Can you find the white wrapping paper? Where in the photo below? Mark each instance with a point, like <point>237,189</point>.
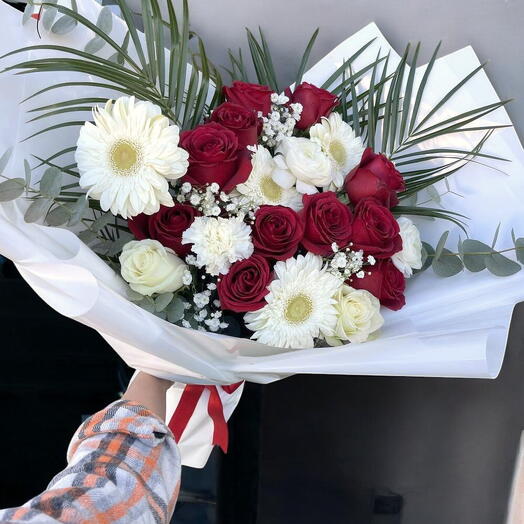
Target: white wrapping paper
<point>454,327</point>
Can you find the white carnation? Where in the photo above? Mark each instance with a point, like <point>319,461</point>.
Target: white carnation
<point>358,315</point>
<point>411,255</point>
<point>301,162</point>
<point>218,242</point>
<point>151,268</point>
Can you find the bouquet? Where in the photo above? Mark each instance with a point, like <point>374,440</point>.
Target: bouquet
<point>302,217</point>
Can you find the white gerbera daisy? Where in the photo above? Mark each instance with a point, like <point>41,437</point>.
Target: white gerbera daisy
<point>300,305</point>
<point>260,188</point>
<point>337,139</point>
<point>218,242</point>
<point>127,156</point>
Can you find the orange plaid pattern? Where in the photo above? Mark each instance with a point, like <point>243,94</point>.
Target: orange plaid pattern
<point>123,466</point>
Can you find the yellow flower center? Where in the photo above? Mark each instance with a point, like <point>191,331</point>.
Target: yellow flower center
<point>337,152</point>
<point>298,309</point>
<point>124,157</point>
<point>270,189</point>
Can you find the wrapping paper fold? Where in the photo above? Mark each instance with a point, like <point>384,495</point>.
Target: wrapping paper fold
<point>449,328</point>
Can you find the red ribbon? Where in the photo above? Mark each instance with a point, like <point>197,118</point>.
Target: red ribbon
<point>187,405</point>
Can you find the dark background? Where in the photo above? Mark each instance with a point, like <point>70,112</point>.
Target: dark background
<point>310,448</point>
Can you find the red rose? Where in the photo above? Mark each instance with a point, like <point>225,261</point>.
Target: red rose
<point>375,229</point>
<point>251,96</point>
<point>243,122</point>
<point>386,283</point>
<point>375,176</point>
<point>244,287</point>
<point>166,226</point>
<point>214,157</point>
<point>316,103</point>
<point>277,232</point>
<point>326,220</point>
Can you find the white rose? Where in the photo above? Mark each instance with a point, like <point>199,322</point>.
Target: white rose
<point>151,268</point>
<point>358,315</point>
<point>301,162</point>
<point>411,255</point>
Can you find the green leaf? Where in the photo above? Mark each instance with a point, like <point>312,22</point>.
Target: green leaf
<point>118,244</point>
<point>175,310</point>
<point>447,264</point>
<point>407,93</point>
<point>440,245</point>
<point>94,45</point>
<point>11,189</point>
<point>148,304</point>
<point>519,249</point>
<point>105,20</point>
<point>421,88</point>
<point>162,301</point>
<point>473,254</point>
<point>495,236</point>
<point>58,216</point>
<point>501,266</point>
<point>78,208</point>
<point>427,257</point>
<point>37,209</point>
<point>4,159</point>
<point>64,25</point>
<point>305,57</point>
<point>51,183</point>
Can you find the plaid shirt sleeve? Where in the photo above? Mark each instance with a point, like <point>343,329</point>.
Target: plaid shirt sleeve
<point>123,466</point>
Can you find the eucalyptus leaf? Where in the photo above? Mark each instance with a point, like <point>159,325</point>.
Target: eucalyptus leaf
<point>441,244</point>
<point>58,216</point>
<point>147,304</point>
<point>77,210</point>
<point>133,296</point>
<point>473,254</point>
<point>427,257</point>
<point>94,45</point>
<point>49,15</point>
<point>11,189</point>
<point>519,247</point>
<point>28,11</point>
<point>37,209</point>
<point>27,170</point>
<point>495,236</point>
<point>4,159</point>
<point>501,266</point>
<point>105,20</point>
<point>447,264</point>
<point>65,24</point>
<point>51,182</point>
<point>87,236</point>
<point>162,301</point>
<point>175,310</point>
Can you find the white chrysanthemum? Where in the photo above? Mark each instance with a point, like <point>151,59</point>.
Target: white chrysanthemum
<point>303,164</point>
<point>260,188</point>
<point>410,257</point>
<point>127,156</point>
<point>300,305</point>
<point>337,139</point>
<point>218,242</point>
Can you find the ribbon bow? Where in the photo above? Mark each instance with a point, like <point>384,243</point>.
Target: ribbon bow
<point>187,405</point>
